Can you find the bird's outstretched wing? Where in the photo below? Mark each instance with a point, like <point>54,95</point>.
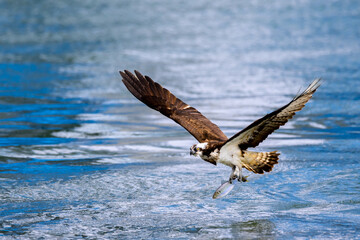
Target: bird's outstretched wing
<point>259,130</point>
<point>156,97</point>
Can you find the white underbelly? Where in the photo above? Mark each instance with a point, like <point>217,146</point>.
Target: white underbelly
<point>230,156</point>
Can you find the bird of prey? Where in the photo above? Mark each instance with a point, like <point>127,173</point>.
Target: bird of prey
<point>214,147</point>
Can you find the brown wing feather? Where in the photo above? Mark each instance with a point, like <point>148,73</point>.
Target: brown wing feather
<point>259,130</point>
<point>156,97</point>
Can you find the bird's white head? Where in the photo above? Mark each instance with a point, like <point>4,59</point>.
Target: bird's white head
<point>197,149</point>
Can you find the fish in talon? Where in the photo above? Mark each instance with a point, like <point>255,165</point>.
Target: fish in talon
<point>223,190</point>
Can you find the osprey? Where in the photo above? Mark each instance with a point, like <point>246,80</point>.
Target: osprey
<point>214,147</point>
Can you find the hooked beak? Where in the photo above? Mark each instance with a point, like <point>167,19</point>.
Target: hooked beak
<point>192,152</point>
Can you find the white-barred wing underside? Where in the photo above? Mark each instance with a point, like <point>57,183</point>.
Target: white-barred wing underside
<point>259,130</point>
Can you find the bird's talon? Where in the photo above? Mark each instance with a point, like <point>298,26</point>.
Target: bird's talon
<point>243,179</point>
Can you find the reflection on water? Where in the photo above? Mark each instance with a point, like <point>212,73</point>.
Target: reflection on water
<point>82,158</point>
<point>254,229</point>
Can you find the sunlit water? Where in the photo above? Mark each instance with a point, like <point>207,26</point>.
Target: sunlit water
<point>82,158</point>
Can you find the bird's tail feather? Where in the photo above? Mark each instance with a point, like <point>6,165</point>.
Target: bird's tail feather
<point>260,162</point>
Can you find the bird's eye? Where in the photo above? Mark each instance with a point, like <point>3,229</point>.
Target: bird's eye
<point>197,149</point>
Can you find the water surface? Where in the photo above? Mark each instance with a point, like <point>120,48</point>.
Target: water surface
<point>80,157</point>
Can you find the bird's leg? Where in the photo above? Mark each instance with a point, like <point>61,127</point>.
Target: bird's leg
<point>237,174</point>
<point>240,176</point>
<point>234,174</point>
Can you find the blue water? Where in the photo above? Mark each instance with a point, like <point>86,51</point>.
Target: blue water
<point>80,157</point>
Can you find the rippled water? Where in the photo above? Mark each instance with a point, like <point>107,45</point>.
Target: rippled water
<point>81,158</point>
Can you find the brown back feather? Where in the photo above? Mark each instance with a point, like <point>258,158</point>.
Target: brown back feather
<point>156,97</point>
